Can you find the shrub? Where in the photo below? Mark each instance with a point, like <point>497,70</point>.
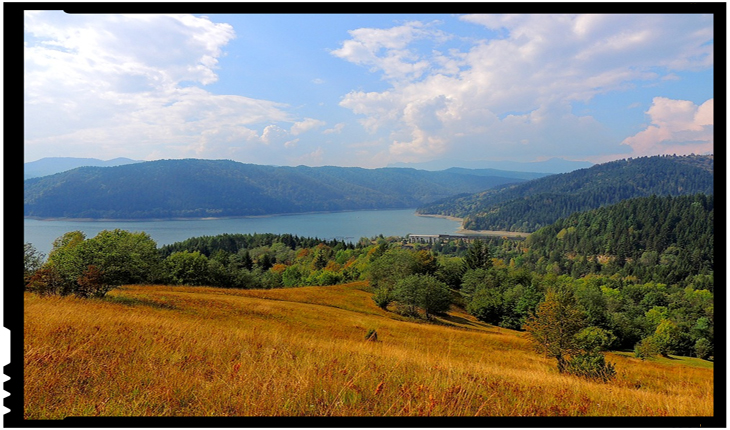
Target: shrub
<point>46,281</point>
<point>382,297</point>
<point>371,335</point>
<point>646,348</point>
<point>703,348</point>
<point>592,365</point>
<point>91,284</point>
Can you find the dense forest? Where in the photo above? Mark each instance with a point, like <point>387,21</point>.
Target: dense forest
<point>662,239</point>
<point>533,204</point>
<point>220,188</point>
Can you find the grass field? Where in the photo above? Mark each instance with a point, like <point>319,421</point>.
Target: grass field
<point>196,351</point>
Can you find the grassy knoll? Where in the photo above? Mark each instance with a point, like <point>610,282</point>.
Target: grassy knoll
<point>184,351</point>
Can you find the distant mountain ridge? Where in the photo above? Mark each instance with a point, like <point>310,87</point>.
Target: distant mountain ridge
<point>221,188</point>
<point>531,205</point>
<point>51,165</point>
<point>548,167</point>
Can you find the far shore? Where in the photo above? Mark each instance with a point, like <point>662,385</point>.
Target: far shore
<point>452,218</point>
<point>206,218</point>
<point>478,232</point>
<point>493,233</point>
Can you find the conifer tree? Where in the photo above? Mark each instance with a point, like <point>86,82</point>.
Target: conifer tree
<point>477,256</point>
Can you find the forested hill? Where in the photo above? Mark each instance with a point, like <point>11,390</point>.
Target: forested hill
<point>218,188</point>
<point>666,238</point>
<point>530,205</point>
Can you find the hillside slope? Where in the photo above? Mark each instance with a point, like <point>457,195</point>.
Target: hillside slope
<point>217,188</point>
<point>197,351</point>
<point>533,204</point>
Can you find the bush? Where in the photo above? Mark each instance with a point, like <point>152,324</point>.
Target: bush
<point>646,348</point>
<point>46,281</point>
<point>592,366</point>
<point>91,284</point>
<point>382,297</point>
<point>703,348</point>
<point>371,335</point>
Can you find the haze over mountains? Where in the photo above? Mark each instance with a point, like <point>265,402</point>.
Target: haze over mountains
<point>218,188</point>
<point>551,166</point>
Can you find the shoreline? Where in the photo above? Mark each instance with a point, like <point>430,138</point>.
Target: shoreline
<point>204,218</point>
<point>449,217</point>
<point>515,234</point>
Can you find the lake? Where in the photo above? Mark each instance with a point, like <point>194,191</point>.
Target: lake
<point>348,226</point>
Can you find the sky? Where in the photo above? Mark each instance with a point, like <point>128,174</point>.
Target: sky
<point>367,90</point>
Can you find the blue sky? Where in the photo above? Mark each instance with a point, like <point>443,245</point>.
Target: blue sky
<point>367,90</point>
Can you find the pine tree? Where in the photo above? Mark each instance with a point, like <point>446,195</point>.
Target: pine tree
<point>477,256</point>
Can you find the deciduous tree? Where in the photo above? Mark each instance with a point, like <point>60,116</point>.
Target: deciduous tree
<point>554,325</point>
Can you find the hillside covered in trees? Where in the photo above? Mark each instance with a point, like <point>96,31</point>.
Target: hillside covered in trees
<point>661,239</point>
<point>530,205</point>
<point>219,188</point>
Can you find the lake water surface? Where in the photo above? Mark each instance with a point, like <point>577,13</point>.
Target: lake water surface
<point>348,226</point>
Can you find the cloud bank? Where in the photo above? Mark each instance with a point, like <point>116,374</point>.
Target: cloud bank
<point>677,127</point>
<point>134,84</point>
<point>518,87</point>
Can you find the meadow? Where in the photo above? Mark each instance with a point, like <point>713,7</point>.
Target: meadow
<point>154,350</point>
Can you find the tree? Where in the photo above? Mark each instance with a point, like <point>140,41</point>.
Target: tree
<point>553,326</point>
<point>665,337</point>
<point>486,305</point>
<point>65,262</point>
<point>122,256</point>
<point>424,292</point>
<point>393,265</point>
<point>187,268</point>
<point>33,260</point>
<point>477,256</point>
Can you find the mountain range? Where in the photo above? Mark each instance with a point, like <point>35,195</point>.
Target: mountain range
<point>221,188</point>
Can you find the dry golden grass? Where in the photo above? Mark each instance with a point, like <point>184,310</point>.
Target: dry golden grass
<point>194,351</point>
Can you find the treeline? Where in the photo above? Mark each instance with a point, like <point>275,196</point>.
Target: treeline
<point>233,243</point>
<point>540,202</point>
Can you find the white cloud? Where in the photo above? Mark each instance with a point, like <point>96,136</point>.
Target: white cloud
<point>519,86</point>
<point>336,129</point>
<point>396,60</point>
<point>273,134</point>
<point>306,125</point>
<point>291,143</point>
<point>131,86</point>
<point>677,127</point>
